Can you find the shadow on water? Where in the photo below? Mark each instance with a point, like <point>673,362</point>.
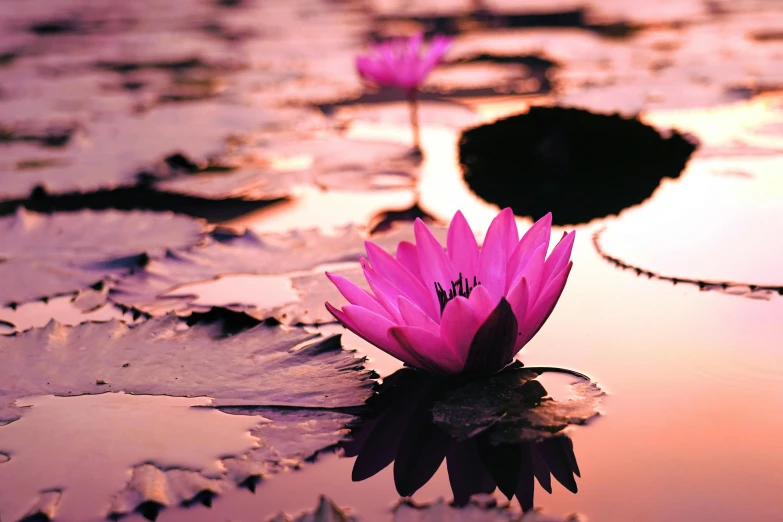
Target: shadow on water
<point>571,162</point>
<point>402,430</point>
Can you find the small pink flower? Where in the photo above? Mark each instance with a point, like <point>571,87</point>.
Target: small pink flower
<point>399,63</point>
<point>464,309</point>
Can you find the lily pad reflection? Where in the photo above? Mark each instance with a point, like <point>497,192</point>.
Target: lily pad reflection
<point>419,421</point>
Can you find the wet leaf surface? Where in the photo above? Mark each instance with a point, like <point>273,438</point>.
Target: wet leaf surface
<point>442,512</point>
<point>513,407</point>
<point>301,257</point>
<point>326,511</point>
<point>224,367</point>
<point>246,373</point>
<point>48,255</point>
<point>578,165</point>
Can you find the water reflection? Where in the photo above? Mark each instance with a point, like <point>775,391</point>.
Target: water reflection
<point>401,430</point>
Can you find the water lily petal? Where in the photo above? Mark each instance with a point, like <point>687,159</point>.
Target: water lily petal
<point>519,299</point>
<point>492,346</point>
<point>536,236</point>
<point>392,270</point>
<point>559,257</point>
<point>434,262</point>
<point>492,259</point>
<point>408,256</point>
<point>482,302</point>
<point>356,295</point>
<point>412,315</point>
<point>459,325</point>
<point>385,292</point>
<point>462,247</point>
<point>374,329</point>
<point>532,270</point>
<point>543,307</point>
<point>429,347</point>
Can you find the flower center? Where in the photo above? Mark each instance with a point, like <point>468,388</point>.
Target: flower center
<point>457,288</point>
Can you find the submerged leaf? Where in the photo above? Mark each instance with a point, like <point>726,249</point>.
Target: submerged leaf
<point>46,255</point>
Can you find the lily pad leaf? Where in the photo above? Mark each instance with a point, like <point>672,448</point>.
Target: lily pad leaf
<point>327,511</point>
<point>48,255</point>
<point>571,162</point>
<point>473,512</point>
<point>296,262</point>
<point>248,374</point>
<point>513,407</point>
<point>163,356</point>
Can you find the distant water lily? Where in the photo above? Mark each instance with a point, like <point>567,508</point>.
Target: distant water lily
<point>401,63</point>
<point>462,310</point>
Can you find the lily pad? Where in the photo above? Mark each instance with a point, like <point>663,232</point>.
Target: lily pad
<point>242,372</point>
<point>741,207</point>
<point>48,255</point>
<point>513,407</point>
<point>296,259</point>
<point>183,361</point>
<point>442,512</point>
<point>327,511</point>
<point>573,163</point>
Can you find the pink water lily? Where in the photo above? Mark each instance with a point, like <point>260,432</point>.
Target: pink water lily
<point>400,62</point>
<point>463,309</point>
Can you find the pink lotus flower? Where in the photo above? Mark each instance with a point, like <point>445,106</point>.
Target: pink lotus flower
<point>462,310</point>
<point>400,63</point>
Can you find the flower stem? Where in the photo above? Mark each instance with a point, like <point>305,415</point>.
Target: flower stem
<point>413,107</point>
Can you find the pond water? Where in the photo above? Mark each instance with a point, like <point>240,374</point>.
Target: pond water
<point>673,307</point>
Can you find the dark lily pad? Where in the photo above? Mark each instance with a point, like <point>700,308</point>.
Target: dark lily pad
<point>512,407</point>
<point>297,259</point>
<point>245,372</point>
<point>48,255</point>
<point>573,163</point>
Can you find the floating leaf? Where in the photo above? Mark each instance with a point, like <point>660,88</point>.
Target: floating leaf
<point>668,237</point>
<point>249,374</point>
<point>512,407</point>
<point>442,512</point>
<point>327,511</point>
<point>298,257</point>
<point>573,163</point>
<point>47,255</point>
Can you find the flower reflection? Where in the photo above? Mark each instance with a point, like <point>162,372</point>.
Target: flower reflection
<point>401,430</point>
